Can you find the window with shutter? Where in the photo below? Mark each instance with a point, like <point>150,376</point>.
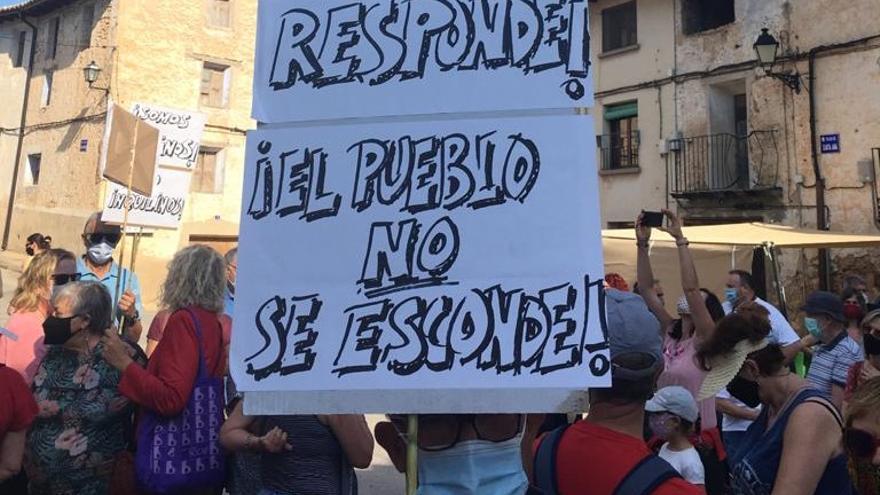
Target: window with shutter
<point>19,55</point>
<point>220,13</point>
<point>213,85</point>
<point>208,175</point>
<point>87,24</point>
<point>54,29</point>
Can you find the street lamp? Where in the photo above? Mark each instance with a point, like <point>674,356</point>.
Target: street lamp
<point>91,72</point>
<point>767,49</point>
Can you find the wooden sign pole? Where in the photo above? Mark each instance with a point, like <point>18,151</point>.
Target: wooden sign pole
<point>125,209</point>
<point>412,454</point>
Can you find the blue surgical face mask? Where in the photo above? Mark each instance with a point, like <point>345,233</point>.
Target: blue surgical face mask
<point>473,466</point>
<point>812,326</point>
<point>101,253</point>
<point>731,295</point>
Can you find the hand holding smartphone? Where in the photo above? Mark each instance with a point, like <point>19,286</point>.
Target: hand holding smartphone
<point>652,219</point>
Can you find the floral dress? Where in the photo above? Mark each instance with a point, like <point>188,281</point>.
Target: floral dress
<point>83,423</point>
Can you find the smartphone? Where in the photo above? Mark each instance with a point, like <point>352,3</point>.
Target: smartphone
<point>652,218</point>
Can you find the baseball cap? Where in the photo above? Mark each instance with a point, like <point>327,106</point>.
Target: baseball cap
<point>632,330</point>
<point>675,400</point>
<point>824,303</point>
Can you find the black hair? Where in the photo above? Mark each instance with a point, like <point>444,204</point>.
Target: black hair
<point>770,360</point>
<point>42,241</point>
<point>745,278</point>
<point>850,292</point>
<point>713,304</point>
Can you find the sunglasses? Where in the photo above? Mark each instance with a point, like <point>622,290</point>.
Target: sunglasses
<point>111,239</point>
<point>66,278</point>
<point>443,431</point>
<point>860,443</point>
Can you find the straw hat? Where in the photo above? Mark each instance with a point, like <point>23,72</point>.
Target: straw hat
<point>724,368</point>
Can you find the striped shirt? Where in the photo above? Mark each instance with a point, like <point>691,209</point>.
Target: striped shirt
<point>832,361</point>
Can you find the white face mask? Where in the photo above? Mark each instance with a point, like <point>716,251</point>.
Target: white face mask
<point>473,466</point>
<point>100,254</point>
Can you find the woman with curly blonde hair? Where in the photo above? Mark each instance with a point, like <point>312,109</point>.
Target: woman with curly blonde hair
<point>193,292</point>
<point>30,306</point>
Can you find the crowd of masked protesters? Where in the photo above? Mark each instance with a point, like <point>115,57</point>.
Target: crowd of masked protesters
<point>705,399</point>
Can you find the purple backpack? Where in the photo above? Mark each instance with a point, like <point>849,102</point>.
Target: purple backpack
<point>183,452</point>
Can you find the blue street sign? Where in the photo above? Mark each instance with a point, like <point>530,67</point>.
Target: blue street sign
<point>830,143</point>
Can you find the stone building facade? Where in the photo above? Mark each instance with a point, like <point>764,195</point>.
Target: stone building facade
<point>188,55</point>
<point>723,140</point>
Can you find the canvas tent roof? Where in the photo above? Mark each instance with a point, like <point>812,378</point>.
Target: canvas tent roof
<point>757,234</point>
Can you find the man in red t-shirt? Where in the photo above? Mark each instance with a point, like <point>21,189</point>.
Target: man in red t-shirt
<point>598,454</point>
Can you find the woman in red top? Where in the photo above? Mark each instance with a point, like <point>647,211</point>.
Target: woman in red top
<point>196,281</point>
<point>17,411</point>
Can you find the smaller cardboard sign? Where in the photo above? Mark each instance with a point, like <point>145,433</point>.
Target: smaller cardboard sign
<point>125,129</point>
<point>180,133</point>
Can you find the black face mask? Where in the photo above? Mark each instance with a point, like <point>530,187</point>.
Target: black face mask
<point>745,390</point>
<point>57,330</point>
<point>872,345</point>
<point>29,250</point>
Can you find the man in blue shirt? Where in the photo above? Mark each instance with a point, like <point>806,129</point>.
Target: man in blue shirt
<point>97,265</point>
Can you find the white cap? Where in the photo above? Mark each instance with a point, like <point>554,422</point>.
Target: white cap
<point>675,400</point>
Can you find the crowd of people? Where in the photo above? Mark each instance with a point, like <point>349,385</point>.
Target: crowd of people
<point>704,400</point>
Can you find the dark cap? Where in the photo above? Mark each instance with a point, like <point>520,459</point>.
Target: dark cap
<point>824,303</point>
<point>632,330</point>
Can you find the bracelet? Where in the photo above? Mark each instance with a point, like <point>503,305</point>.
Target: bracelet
<point>682,242</point>
<point>642,244</point>
<point>250,441</point>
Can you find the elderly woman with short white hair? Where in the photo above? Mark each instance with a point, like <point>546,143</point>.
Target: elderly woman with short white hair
<point>83,420</point>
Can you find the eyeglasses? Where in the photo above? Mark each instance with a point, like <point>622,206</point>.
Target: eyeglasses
<point>860,443</point>
<point>443,431</point>
<point>66,278</point>
<point>98,238</point>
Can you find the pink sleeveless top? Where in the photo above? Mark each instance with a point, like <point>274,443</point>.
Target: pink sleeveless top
<point>682,369</point>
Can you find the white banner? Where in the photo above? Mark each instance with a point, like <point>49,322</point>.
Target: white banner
<point>325,59</point>
<point>424,267</point>
<point>164,209</point>
<point>180,133</point>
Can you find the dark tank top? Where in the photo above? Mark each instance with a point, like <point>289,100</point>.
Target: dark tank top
<point>315,466</point>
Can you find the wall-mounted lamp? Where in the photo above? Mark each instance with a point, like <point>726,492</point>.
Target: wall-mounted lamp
<point>91,73</point>
<point>767,49</point>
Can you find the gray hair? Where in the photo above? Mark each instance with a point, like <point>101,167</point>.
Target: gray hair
<point>89,299</point>
<point>230,255</point>
<point>196,277</point>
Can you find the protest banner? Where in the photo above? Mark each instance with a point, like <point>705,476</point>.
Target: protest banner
<point>326,59</point>
<point>164,209</point>
<point>129,151</point>
<point>180,133</point>
<point>421,267</point>
<point>175,156</point>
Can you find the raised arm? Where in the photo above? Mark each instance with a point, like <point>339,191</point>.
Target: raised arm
<point>645,276</point>
<point>704,326</point>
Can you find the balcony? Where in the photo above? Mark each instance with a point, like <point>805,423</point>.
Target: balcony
<point>724,163</point>
<point>618,153</point>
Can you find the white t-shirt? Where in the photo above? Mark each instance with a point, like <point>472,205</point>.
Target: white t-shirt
<point>687,463</point>
<point>730,423</point>
<point>780,330</point>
